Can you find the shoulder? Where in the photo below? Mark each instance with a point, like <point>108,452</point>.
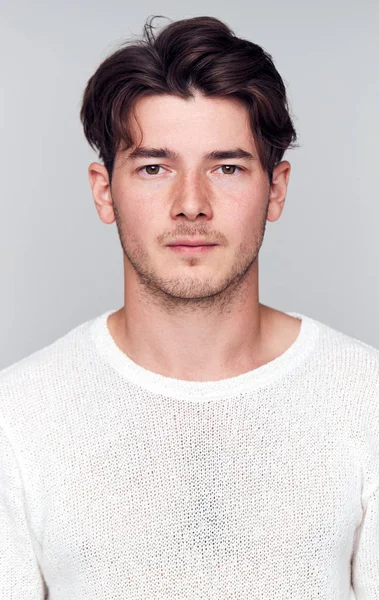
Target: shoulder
<point>344,352</point>
<point>38,376</point>
<point>349,353</point>
<point>349,368</point>
<point>343,371</point>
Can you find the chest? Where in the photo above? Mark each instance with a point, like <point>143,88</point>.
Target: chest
<point>218,498</point>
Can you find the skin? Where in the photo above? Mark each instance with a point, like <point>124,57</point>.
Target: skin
<point>193,317</point>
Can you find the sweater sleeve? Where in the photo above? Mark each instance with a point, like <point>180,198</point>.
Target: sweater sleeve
<point>20,575</point>
<point>365,559</point>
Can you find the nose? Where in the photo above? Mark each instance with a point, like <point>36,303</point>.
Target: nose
<point>191,198</point>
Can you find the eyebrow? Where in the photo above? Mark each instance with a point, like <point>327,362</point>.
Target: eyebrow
<point>144,152</point>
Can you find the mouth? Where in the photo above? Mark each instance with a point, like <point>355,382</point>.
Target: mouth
<point>182,249</point>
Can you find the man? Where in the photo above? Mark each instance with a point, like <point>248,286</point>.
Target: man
<point>194,443</point>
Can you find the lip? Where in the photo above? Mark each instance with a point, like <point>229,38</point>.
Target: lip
<point>183,242</point>
<point>192,249</point>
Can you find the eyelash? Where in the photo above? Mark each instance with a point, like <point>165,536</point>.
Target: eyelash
<point>235,166</point>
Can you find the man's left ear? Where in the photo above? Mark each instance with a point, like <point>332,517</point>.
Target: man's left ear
<point>278,190</point>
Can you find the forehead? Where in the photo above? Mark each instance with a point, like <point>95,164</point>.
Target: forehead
<point>198,121</point>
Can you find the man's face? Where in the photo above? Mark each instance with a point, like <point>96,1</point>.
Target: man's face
<point>157,201</point>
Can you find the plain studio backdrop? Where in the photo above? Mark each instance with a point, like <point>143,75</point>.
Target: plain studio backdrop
<point>60,265</point>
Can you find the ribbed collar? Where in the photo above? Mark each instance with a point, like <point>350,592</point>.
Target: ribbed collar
<point>202,390</point>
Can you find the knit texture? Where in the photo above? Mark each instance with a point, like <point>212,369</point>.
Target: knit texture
<point>117,483</point>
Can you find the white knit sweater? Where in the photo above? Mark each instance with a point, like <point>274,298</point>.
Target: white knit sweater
<point>117,483</point>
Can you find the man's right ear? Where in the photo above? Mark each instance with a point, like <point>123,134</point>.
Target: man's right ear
<point>101,191</point>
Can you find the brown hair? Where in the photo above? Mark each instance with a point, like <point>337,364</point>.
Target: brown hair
<point>200,53</point>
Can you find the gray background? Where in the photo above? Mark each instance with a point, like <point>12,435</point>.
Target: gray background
<point>60,265</point>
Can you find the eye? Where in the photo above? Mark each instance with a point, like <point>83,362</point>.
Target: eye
<point>153,167</point>
<point>228,167</point>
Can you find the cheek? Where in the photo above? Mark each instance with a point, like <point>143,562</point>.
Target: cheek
<point>243,211</point>
<point>135,209</point>
<point>245,221</point>
<point>144,205</point>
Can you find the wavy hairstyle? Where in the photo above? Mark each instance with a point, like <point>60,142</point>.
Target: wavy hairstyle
<point>200,53</point>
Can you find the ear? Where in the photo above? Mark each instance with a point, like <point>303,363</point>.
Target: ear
<point>278,190</point>
<point>101,191</point>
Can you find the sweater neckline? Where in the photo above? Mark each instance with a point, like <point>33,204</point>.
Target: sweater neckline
<point>202,390</point>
